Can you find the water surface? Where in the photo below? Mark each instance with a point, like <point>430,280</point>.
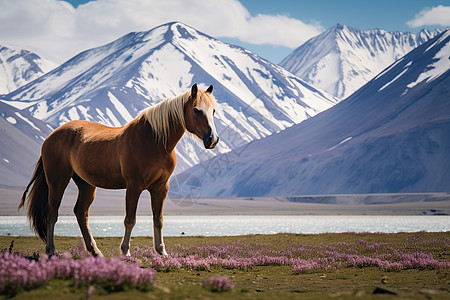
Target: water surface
<point>236,225</point>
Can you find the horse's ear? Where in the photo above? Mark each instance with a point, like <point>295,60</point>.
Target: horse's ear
<point>194,91</point>
<point>210,89</point>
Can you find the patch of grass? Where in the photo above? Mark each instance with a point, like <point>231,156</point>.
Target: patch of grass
<point>266,282</point>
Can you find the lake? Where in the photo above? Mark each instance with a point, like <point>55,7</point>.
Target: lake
<point>236,225</point>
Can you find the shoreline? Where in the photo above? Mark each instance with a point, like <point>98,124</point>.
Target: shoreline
<point>112,203</point>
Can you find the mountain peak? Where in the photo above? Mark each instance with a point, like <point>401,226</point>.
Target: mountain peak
<point>183,31</point>
<point>112,83</point>
<point>174,26</point>
<point>343,28</point>
<point>337,27</point>
<point>20,66</point>
<point>166,33</point>
<point>391,136</point>
<point>343,58</point>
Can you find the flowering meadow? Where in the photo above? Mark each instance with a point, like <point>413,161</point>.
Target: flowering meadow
<point>18,272</point>
<point>306,258</point>
<point>222,264</point>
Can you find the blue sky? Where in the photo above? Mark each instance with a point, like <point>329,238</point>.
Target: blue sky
<point>271,29</point>
<point>391,15</point>
<point>362,14</point>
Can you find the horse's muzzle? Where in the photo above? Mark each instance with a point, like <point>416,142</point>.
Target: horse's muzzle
<point>210,141</point>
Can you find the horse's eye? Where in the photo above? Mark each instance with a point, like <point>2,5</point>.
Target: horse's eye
<point>197,111</point>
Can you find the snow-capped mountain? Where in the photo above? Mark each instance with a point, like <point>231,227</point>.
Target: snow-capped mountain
<point>343,59</point>
<point>21,137</point>
<point>392,135</point>
<point>19,66</point>
<point>112,83</point>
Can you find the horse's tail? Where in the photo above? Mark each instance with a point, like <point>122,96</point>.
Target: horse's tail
<point>38,207</point>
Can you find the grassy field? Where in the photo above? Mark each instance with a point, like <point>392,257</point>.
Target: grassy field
<point>342,276</point>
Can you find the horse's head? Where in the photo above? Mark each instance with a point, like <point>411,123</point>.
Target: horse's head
<point>199,116</point>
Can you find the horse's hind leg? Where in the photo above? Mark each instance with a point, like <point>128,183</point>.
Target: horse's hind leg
<point>86,195</point>
<point>56,187</point>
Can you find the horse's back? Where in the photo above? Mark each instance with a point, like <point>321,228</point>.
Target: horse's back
<point>75,133</point>
<point>86,148</point>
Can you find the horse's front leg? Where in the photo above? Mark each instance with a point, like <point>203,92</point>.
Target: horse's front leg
<point>158,196</point>
<point>131,201</point>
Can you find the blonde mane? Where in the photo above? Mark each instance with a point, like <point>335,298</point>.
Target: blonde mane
<point>162,114</point>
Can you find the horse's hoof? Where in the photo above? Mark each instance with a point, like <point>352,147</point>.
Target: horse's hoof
<point>98,254</point>
<point>126,253</point>
<point>161,252</point>
<point>125,250</point>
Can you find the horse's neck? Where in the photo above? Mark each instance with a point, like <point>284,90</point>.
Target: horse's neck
<point>175,134</point>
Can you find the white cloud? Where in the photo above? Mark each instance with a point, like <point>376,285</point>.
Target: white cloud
<point>59,31</point>
<point>439,15</point>
<point>277,30</point>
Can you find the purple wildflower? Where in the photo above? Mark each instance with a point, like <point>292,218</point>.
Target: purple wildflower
<point>239,255</point>
<point>17,272</point>
<point>218,284</point>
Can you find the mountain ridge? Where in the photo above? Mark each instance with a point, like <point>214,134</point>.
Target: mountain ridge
<point>19,67</point>
<point>392,135</point>
<point>21,136</point>
<point>342,59</point>
<point>112,83</point>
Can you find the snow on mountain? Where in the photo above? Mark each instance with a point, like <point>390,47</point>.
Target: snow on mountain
<point>112,83</point>
<point>21,136</point>
<point>392,135</point>
<point>343,59</point>
<point>18,67</point>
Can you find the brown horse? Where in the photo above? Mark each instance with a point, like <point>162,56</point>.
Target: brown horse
<point>138,156</point>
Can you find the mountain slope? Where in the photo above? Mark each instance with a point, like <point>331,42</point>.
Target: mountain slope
<point>112,83</point>
<point>342,59</point>
<point>18,67</point>
<point>22,137</point>
<point>392,135</point>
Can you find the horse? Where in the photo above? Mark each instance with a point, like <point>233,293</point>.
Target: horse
<point>138,156</point>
